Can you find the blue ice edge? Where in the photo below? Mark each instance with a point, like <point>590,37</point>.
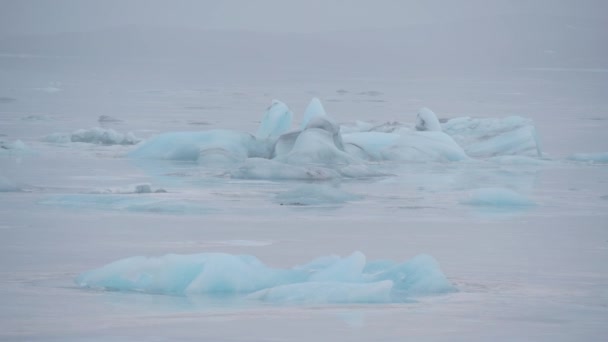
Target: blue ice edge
<point>325,280</point>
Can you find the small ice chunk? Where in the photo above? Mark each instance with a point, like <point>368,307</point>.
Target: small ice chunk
<point>497,197</point>
<point>315,194</point>
<point>98,135</point>
<point>593,158</point>
<point>260,168</point>
<point>7,185</point>
<point>16,148</point>
<point>107,119</point>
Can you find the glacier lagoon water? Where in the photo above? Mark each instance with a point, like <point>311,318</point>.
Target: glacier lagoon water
<point>522,239</point>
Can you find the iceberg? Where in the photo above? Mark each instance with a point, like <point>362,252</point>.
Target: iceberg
<point>329,279</point>
<point>483,138</point>
<point>323,150</point>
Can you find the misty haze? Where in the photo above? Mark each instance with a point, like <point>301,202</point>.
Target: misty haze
<point>303,170</point>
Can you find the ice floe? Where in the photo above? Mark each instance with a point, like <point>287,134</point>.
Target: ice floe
<point>330,279</point>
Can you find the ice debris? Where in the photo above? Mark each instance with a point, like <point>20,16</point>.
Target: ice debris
<point>315,194</point>
<point>95,135</point>
<point>593,158</point>
<point>130,203</point>
<point>330,279</point>
<point>16,148</point>
<point>143,188</point>
<point>497,197</point>
<point>7,185</point>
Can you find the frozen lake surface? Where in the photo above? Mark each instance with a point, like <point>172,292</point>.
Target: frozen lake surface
<point>523,240</point>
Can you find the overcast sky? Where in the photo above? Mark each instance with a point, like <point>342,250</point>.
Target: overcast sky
<point>52,16</point>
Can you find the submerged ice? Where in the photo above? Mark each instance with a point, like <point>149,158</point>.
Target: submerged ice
<point>330,279</point>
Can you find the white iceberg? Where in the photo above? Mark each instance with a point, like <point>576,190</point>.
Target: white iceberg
<point>324,280</point>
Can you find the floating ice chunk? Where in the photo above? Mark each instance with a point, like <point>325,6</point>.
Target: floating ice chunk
<point>36,117</point>
<point>259,168</point>
<point>315,194</point>
<point>107,119</point>
<point>58,138</point>
<point>595,158</point>
<point>206,146</point>
<point>313,110</point>
<point>497,197</point>
<point>96,135</point>
<point>16,148</point>
<point>513,135</point>
<point>144,188</point>
<point>324,280</point>
<point>517,160</point>
<point>411,146</point>
<point>418,276</point>
<point>131,203</point>
<point>276,121</point>
<point>426,120</point>
<point>7,185</point>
